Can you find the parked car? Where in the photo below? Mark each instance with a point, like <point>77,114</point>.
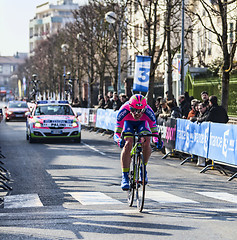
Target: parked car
<point>53,119</point>
<point>16,110</point>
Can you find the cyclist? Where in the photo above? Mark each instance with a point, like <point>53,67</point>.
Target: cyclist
<point>135,115</point>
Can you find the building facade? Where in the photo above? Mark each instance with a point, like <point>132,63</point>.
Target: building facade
<point>48,20</point>
<point>8,68</point>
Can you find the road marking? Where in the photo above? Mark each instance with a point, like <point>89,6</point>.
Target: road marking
<point>164,197</point>
<point>221,196</point>
<point>94,149</point>
<point>93,198</point>
<point>22,200</point>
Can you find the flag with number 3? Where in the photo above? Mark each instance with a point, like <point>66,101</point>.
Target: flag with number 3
<point>142,73</point>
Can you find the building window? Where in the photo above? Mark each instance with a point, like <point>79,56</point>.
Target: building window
<point>13,68</point>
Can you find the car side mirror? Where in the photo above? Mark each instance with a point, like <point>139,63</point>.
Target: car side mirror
<point>78,114</point>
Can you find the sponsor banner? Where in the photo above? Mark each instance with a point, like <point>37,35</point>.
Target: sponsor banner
<point>170,135</point>
<point>92,117</point>
<point>84,118</point>
<point>167,128</point>
<point>223,143</point>
<point>192,138</point>
<point>106,119</point>
<point>142,73</point>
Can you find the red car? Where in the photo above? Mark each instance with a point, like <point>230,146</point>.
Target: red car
<point>16,110</point>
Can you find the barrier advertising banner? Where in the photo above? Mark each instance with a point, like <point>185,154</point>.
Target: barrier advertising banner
<point>84,118</point>
<point>192,138</point>
<point>106,119</point>
<point>223,143</point>
<point>168,131</point>
<point>142,73</point>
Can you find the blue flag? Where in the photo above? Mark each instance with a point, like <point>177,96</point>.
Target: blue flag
<point>142,73</point>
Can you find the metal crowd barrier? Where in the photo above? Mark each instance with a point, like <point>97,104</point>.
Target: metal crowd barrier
<point>182,138</point>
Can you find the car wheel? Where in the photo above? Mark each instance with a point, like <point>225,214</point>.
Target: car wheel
<point>78,140</point>
<point>31,139</point>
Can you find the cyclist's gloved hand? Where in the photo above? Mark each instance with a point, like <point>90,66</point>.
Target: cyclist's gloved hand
<point>119,141</point>
<point>158,142</point>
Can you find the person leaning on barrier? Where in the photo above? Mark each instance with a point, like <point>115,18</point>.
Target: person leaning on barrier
<point>184,106</point>
<point>107,103</point>
<point>166,112</point>
<point>175,112</point>
<point>116,102</point>
<point>203,112</point>
<point>123,98</point>
<point>216,113</point>
<point>193,112</point>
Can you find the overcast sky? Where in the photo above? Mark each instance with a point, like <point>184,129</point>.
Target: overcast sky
<point>14,24</point>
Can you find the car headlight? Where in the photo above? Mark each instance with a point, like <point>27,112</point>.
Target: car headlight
<point>37,125</point>
<point>74,124</point>
<point>9,112</point>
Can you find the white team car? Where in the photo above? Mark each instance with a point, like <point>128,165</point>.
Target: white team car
<point>53,119</point>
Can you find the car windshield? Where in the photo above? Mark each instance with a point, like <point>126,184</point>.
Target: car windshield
<point>53,110</point>
<point>18,105</point>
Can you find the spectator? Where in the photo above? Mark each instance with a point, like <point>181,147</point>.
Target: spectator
<point>123,98</point>
<point>205,97</point>
<point>216,113</point>
<point>188,98</point>
<point>167,97</point>
<point>158,106</point>
<point>110,95</point>
<point>203,112</point>
<point>101,102</point>
<point>116,102</point>
<point>194,111</point>
<point>166,112</point>
<point>184,106</point>
<point>175,111</point>
<point>107,102</point>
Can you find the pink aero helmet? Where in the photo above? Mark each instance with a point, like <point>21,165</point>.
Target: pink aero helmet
<point>137,101</point>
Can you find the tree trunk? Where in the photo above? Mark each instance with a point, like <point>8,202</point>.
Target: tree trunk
<point>225,89</point>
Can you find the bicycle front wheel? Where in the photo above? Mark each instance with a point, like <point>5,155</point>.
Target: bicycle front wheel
<point>132,184</point>
<point>140,182</point>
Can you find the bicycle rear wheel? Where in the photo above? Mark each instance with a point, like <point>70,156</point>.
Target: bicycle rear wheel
<point>132,184</point>
<point>140,182</point>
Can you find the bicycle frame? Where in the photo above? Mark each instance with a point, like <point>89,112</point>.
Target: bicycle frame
<point>137,170</point>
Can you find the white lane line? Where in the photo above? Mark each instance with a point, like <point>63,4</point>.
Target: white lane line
<point>22,200</point>
<point>93,198</point>
<point>94,149</point>
<point>164,197</point>
<point>221,196</point>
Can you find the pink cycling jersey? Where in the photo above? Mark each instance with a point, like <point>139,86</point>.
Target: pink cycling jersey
<point>125,115</point>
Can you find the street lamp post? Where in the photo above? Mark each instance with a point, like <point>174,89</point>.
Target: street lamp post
<point>182,52</point>
<point>79,36</point>
<point>64,48</point>
<point>111,17</point>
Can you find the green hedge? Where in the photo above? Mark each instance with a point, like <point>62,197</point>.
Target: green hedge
<point>194,86</point>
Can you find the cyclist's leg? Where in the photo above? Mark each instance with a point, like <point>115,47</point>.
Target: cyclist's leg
<point>146,145</point>
<point>125,157</point>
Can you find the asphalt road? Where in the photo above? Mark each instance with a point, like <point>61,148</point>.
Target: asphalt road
<point>65,190</point>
